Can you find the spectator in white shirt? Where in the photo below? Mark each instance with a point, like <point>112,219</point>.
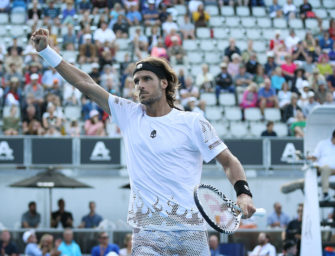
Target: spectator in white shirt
<point>104,34</point>
<point>291,41</point>
<point>289,10</point>
<point>169,24</point>
<point>264,248</point>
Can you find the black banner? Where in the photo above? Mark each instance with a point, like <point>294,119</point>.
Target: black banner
<point>11,151</point>
<point>51,150</point>
<point>100,151</point>
<point>284,149</point>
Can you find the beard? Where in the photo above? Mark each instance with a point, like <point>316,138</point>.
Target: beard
<point>151,100</point>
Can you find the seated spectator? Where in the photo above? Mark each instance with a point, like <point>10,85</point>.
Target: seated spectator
<point>330,100</point>
<point>69,39</point>
<point>14,45</point>
<point>140,40</point>
<point>126,251</point>
<point>284,96</point>
<point>121,27</point>
<point>331,55</point>
<point>321,94</point>
<point>264,246</point>
<point>51,121</point>
<point>277,79</point>
<point>87,50</point>
<point>289,248</point>
<point>301,53</point>
<point>95,73</point>
<point>187,28</point>
<point>176,52</point>
<point>316,79</point>
<point>331,80</point>
<point>114,13</point>
<point>34,67</point>
<point>6,245</point>
<point>310,104</point>
<point>32,248</point>
<point>310,45</point>
<point>306,11</point>
<point>14,57</point>
<point>134,16</point>
<point>200,17</point>
<point>231,49</point>
<point>293,230</point>
<point>159,50</point>
<point>213,242</point>
<point>252,64</point>
<point>12,72</point>
<point>298,125</point>
<point>47,247</point>
<point>84,6</point>
<point>35,89</point>
<point>278,218</point>
<point>275,42</point>
<point>223,82</point>
<point>49,77</point>
<point>68,13</point>
<point>269,130</point>
<point>109,73</point>
<point>292,40</point>
<point>104,34</point>
<point>248,52</point>
<point>31,218</point>
<point>151,14</point>
<point>91,220</point>
<point>291,109</point>
<point>61,217</point>
<point>51,11</point>
<point>309,65</point>
<point>129,3</point>
<point>326,42</point>
<point>259,76</point>
<point>267,97</point>
<point>289,10</point>
<point>168,38</point>
<point>189,91</point>
<point>324,66</point>
<point>331,29</point>
<point>35,128</point>
<point>74,129</point>
<point>93,126</point>
<point>270,65</point>
<point>275,10</point>
<point>68,246</point>
<point>205,80</point>
<point>85,23</point>
<point>280,54</point>
<point>104,247</point>
<point>168,25</point>
<point>233,66</point>
<point>250,97</point>
<point>13,93</point>
<point>288,68</point>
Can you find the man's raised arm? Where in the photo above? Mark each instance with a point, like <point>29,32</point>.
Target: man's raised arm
<point>70,73</point>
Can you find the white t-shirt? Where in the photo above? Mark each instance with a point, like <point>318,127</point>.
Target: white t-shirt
<point>164,159</point>
<point>104,36</point>
<point>266,250</point>
<point>168,26</point>
<point>325,153</point>
<point>291,42</point>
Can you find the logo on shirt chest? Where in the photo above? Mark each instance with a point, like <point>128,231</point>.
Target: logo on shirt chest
<point>153,134</point>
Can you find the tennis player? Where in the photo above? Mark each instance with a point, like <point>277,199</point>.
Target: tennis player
<point>165,151</point>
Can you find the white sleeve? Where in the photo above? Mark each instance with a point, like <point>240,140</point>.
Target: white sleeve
<point>121,110</point>
<point>317,151</point>
<point>206,139</point>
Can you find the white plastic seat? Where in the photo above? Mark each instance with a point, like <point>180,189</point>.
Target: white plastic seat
<point>315,3</point>
<point>280,129</point>
<point>233,114</point>
<point>256,128</point>
<point>214,69</point>
<point>221,33</point>
<point>17,30</point>
<point>222,44</point>
<point>227,11</point>
<point>301,33</point>
<point>237,33</point>
<point>279,23</point>
<point>209,98</point>
<point>220,128</point>
<point>295,23</point>
<point>259,46</point>
<point>238,129</point>
<point>329,4</point>
<point>212,58</point>
<point>212,10</point>
<point>203,33</point>
<point>18,18</point>
<point>242,44</point>
<point>119,56</point>
<point>264,22</point>
<point>242,11</point>
<point>331,14</point>
<point>194,57</point>
<point>262,58</point>
<point>72,112</point>
<point>298,2</point>
<point>214,113</point>
<point>258,11</point>
<point>216,21</point>
<point>311,23</point>
<point>227,99</point>
<point>321,13</point>
<point>268,34</point>
<point>325,23</point>
<point>190,45</point>
<point>253,34</point>
<point>252,114</point>
<point>87,67</point>
<point>4,19</point>
<point>207,45</point>
<point>181,9</point>
<point>233,21</point>
<point>195,69</point>
<point>272,114</point>
<point>248,22</point>
<point>122,43</point>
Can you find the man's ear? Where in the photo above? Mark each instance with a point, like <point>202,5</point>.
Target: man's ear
<point>164,83</point>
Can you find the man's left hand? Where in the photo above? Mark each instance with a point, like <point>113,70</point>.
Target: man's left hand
<point>246,204</point>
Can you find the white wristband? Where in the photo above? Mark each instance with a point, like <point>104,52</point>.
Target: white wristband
<point>51,56</point>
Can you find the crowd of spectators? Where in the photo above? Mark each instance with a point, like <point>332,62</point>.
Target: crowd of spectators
<point>298,75</point>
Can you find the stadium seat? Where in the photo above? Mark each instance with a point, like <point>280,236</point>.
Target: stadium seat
<point>122,43</point>
<point>209,98</point>
<point>295,23</point>
<point>214,69</point>
<point>207,45</point>
<point>254,34</point>
<point>220,128</point>
<point>227,11</point>
<point>331,14</point>
<point>190,45</point>
<point>242,11</point>
<point>227,99</point>
<point>69,55</point>
<point>301,33</point>
<point>212,10</point>
<point>232,21</point>
<point>87,68</point>
<point>259,46</point>
<point>237,33</point>
<point>256,128</point>
<point>297,2</point>
<point>325,23</point>
<point>279,23</point>
<point>238,129</point>
<point>264,22</point>
<point>17,30</point>
<point>214,113</point>
<point>119,56</point>
<point>242,44</point>
<point>18,18</point>
<point>248,22</point>
<point>321,13</point>
<point>194,57</point>
<point>4,19</point>
<point>252,114</point>
<point>72,112</point>
<point>63,30</point>
<point>262,58</point>
<point>212,58</point>
<point>177,68</point>
<point>315,3</point>
<point>233,113</point>
<point>272,114</point>
<point>216,21</point>
<point>280,129</point>
<point>258,11</point>
<point>311,24</point>
<point>268,34</point>
<point>195,69</point>
<point>181,9</point>
<point>203,33</point>
<point>329,4</point>
<point>221,33</point>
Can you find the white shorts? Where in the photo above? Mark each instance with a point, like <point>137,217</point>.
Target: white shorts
<point>170,243</point>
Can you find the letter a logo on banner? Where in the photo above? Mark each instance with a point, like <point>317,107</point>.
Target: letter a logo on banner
<point>6,153</point>
<point>289,153</point>
<point>100,152</point>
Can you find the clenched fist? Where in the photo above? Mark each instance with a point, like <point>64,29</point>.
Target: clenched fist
<point>40,38</point>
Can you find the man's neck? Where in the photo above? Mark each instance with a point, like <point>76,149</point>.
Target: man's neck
<point>159,108</point>
<point>92,213</point>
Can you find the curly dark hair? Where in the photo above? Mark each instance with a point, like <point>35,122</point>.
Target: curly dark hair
<point>168,74</point>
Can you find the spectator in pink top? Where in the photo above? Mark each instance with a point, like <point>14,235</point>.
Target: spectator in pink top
<point>159,50</point>
<point>94,126</point>
<point>288,68</point>
<point>250,97</point>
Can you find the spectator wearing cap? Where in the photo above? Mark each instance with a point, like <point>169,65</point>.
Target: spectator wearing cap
<point>104,247</point>
<point>310,104</point>
<point>168,38</point>
<point>224,82</point>
<point>200,17</point>
<point>292,40</point>
<point>32,248</point>
<point>289,10</point>
<point>134,16</point>
<point>93,126</point>
<point>34,67</point>
<point>270,64</point>
<point>7,247</point>
<point>87,50</point>
<point>104,34</point>
<point>205,79</point>
<point>252,64</point>
<point>269,132</point>
<point>35,89</point>
<point>151,14</point>
<point>31,218</point>
<point>275,10</point>
<point>121,27</point>
<point>275,42</point>
<point>267,96</point>
<point>68,246</point>
<point>316,79</point>
<point>231,49</point>
<point>331,80</point>
<point>169,24</point>
<point>176,52</point>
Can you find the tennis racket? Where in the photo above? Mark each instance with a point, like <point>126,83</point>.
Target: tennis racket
<point>221,213</point>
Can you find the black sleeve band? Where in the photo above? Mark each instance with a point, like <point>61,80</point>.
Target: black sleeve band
<point>242,187</point>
